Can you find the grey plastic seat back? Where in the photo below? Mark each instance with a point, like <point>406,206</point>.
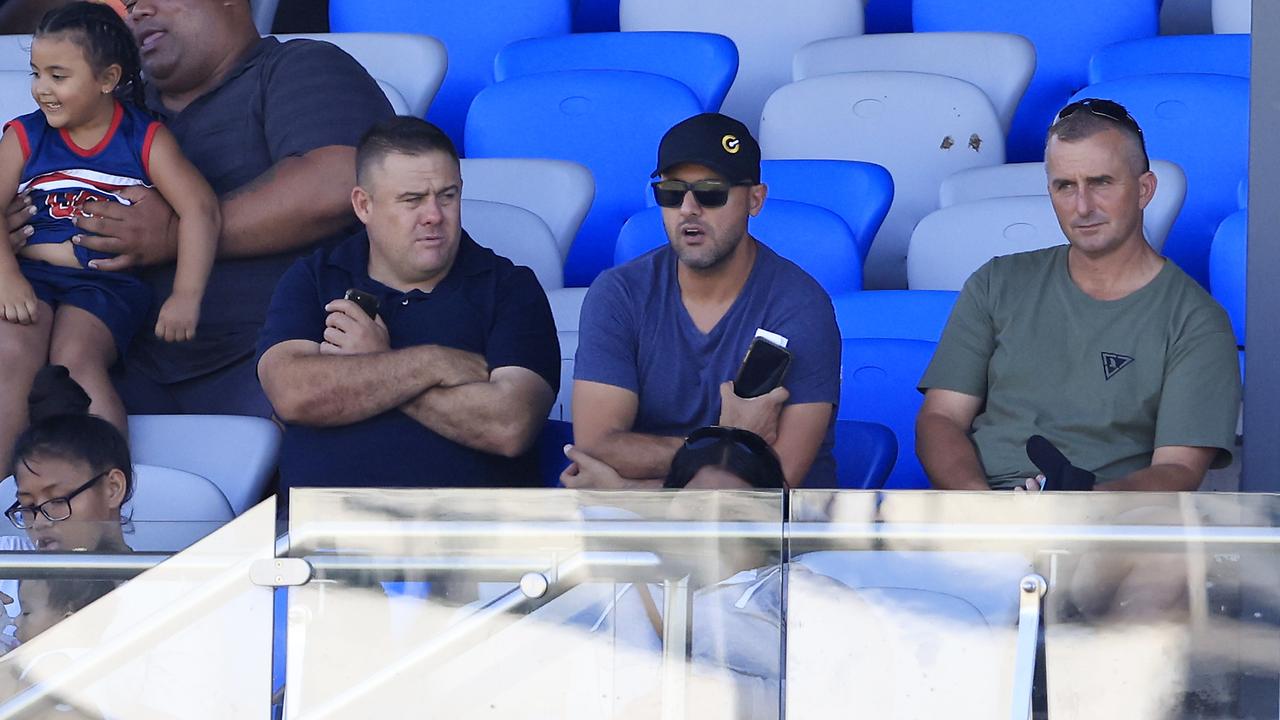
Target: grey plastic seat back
<point>558,191</point>
<point>412,64</point>
<point>516,234</point>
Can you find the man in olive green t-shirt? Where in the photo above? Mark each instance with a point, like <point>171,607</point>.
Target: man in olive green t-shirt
<point>1102,346</point>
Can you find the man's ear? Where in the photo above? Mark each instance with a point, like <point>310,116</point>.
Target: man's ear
<point>115,484</point>
<point>1146,188</point>
<point>361,202</point>
<point>755,198</point>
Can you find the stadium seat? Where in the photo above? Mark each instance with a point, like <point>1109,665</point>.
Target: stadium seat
<point>472,32</point>
<point>595,16</point>
<point>15,94</point>
<point>1216,54</point>
<point>558,191</point>
<point>879,377</point>
<point>264,14</point>
<point>999,63</point>
<point>858,192</point>
<point>170,508</point>
<point>236,453</point>
<point>1016,179</point>
<point>1212,148</point>
<point>1227,263</point>
<point>566,308</point>
<point>865,453</point>
<point>412,64</point>
<point>516,234</point>
<point>900,314</point>
<point>1065,35</point>
<point>398,104</point>
<point>888,16</point>
<point>15,53</point>
<point>704,62</point>
<point>608,120</point>
<point>814,238</point>
<point>766,32</point>
<point>949,244</point>
<point>1232,16</point>
<point>920,127</point>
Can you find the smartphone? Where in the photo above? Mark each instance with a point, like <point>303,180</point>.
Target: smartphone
<point>764,366</point>
<point>368,303</point>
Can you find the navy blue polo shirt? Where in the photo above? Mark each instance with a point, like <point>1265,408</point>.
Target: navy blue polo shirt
<point>485,305</point>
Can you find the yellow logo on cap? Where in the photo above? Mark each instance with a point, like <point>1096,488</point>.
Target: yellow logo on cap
<point>730,144</point>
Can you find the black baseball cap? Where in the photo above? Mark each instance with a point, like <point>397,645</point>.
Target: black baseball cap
<point>714,140</point>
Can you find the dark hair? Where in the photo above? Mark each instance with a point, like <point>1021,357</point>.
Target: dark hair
<point>75,594</point>
<point>400,135</point>
<point>1085,118</point>
<point>734,450</point>
<point>61,427</point>
<point>106,41</point>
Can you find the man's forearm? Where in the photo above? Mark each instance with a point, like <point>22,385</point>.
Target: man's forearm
<point>1166,477</point>
<point>635,455</point>
<point>333,390</point>
<point>483,416</point>
<point>948,456</point>
<point>296,202</point>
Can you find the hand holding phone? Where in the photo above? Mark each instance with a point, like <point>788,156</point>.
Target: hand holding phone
<point>764,366</point>
<point>367,302</point>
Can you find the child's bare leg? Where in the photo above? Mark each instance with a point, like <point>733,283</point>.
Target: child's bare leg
<point>24,349</point>
<point>84,345</point>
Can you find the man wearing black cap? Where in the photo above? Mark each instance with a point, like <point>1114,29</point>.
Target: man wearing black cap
<point>661,337</point>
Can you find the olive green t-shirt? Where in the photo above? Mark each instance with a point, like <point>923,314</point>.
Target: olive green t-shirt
<point>1106,381</point>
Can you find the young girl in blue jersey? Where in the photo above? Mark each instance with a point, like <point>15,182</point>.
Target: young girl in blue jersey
<point>90,140</point>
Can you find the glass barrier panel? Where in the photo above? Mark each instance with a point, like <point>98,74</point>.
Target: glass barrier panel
<point>107,632</point>
<point>535,604</point>
<point>980,605</point>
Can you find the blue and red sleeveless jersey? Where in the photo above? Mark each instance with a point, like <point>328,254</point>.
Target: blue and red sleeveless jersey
<point>61,176</point>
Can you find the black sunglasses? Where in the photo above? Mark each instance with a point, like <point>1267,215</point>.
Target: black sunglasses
<point>1109,109</point>
<point>708,193</point>
<point>745,439</point>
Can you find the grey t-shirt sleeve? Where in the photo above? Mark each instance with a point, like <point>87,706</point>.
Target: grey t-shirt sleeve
<point>607,336</point>
<point>961,360</point>
<point>317,95</point>
<point>1200,399</point>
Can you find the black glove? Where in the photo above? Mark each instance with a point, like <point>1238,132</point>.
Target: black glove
<point>1059,473</point>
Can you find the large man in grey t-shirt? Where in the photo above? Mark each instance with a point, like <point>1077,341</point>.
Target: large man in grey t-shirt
<point>1102,346</point>
<point>661,337</point>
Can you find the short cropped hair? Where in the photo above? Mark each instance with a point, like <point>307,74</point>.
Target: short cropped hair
<point>1084,124</point>
<point>400,135</point>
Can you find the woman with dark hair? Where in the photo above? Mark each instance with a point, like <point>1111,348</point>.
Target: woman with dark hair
<point>724,458</point>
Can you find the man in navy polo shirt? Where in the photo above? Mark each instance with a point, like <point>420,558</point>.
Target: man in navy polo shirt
<point>449,383</point>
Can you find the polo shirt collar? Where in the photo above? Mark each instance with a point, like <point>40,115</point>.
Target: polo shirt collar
<point>152,95</point>
<point>352,255</point>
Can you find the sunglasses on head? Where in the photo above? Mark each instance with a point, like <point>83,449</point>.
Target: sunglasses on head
<point>1108,109</point>
<point>712,434</point>
<point>708,193</point>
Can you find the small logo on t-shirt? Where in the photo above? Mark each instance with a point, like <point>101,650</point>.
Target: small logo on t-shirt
<point>1113,363</point>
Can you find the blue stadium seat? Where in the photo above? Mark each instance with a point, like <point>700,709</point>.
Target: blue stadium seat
<point>1216,54</point>
<point>595,16</point>
<point>865,453</point>
<point>888,16</point>
<point>1200,122</point>
<point>469,33</point>
<point>608,120</point>
<point>704,62</point>
<point>1227,263</point>
<point>878,384</point>
<point>1065,35</point>
<point>900,314</point>
<point>814,238</point>
<point>859,192</point>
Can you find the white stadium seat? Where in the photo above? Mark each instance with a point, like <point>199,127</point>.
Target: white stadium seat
<point>412,64</point>
<point>516,234</point>
<point>558,191</point>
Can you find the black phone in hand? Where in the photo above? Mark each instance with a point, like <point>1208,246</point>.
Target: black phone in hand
<point>763,368</point>
<point>367,302</point>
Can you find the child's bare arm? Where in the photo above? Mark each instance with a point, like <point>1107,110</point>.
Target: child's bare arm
<point>17,299</point>
<point>199,225</point>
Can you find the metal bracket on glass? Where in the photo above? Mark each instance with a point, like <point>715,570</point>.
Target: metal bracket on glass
<point>280,572</point>
<point>1031,591</point>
